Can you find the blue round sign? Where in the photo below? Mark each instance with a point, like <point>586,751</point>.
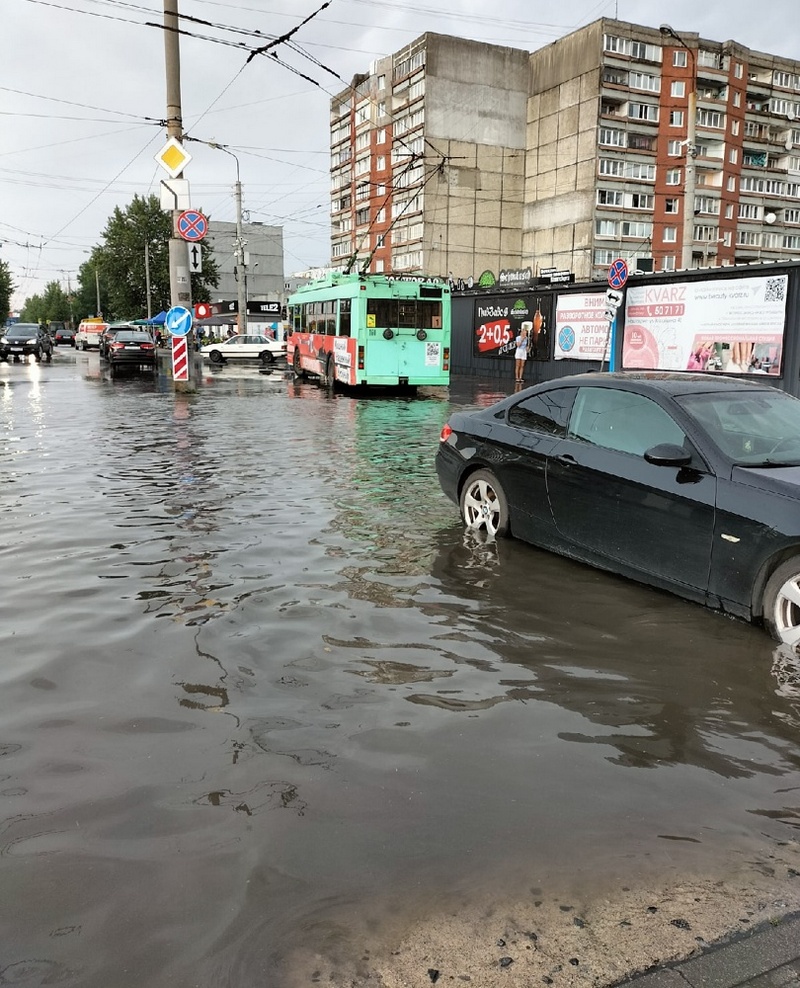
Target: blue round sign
<point>178,320</point>
<point>566,338</point>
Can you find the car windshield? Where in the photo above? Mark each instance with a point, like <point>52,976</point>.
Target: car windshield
<point>753,428</point>
<point>23,330</point>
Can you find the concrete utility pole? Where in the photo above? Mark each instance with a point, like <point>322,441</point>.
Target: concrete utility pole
<point>180,285</point>
<point>687,239</point>
<point>241,270</point>
<point>97,289</point>
<point>147,278</point>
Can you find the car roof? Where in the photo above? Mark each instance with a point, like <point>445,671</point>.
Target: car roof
<point>664,382</point>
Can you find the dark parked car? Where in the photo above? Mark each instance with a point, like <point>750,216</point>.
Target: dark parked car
<point>108,334</point>
<point>26,339</point>
<point>62,334</point>
<point>131,348</point>
<point>686,482</point>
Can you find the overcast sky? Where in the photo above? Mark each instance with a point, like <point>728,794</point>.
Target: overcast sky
<point>78,78</point>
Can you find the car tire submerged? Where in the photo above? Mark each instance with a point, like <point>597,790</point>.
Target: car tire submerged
<point>782,602</point>
<point>484,506</point>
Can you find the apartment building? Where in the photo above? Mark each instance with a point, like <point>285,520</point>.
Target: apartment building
<point>428,160</point>
<point>612,151</point>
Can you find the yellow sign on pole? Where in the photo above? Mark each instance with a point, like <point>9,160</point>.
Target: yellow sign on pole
<point>173,157</point>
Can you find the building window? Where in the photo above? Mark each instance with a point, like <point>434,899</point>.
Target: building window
<point>379,266</point>
<point>791,216</point>
<point>638,229</point>
<point>640,142</point>
<point>671,205</point>
<point>380,137</point>
<point>674,176</point>
<point>676,118</point>
<point>737,99</point>
<point>748,238</point>
<point>614,167</point>
<point>643,111</point>
<point>749,211</point>
<point>381,217</point>
<point>608,197</point>
<point>638,169</point>
<point>641,200</point>
<point>612,138</point>
<point>710,118</point>
<point>670,234</point>
<point>381,82</point>
<point>668,263</point>
<point>706,204</point>
<point>675,149</point>
<point>791,242</point>
<point>644,52</point>
<point>734,128</point>
<point>771,241</point>
<point>729,211</point>
<point>362,216</point>
<point>732,183</point>
<point>679,58</point>
<point>705,234</point>
<point>678,88</point>
<point>615,44</point>
<point>643,80</point>
<point>606,228</point>
<point>380,162</point>
<point>605,257</point>
<point>738,70</point>
<point>733,156</point>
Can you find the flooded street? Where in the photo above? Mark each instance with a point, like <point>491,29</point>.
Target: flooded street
<point>268,716</point>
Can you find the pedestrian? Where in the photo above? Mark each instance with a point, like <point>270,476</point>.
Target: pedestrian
<point>521,353</point>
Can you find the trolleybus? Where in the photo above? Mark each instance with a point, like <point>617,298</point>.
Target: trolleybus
<point>359,329</point>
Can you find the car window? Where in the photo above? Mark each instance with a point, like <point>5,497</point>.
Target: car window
<point>621,420</point>
<point>547,412</point>
<point>749,426</point>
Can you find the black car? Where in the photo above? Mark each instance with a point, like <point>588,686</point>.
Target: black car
<point>131,348</point>
<point>62,334</point>
<point>26,339</point>
<point>686,482</point>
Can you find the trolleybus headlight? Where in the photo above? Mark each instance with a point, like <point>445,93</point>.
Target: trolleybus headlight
<point>421,334</point>
<point>388,334</point>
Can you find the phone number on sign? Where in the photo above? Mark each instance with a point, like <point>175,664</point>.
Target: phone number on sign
<point>655,311</point>
<point>494,335</point>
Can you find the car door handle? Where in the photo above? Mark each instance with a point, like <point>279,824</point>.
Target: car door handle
<point>567,460</point>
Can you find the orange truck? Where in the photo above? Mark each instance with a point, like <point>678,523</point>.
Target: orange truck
<point>89,333</point>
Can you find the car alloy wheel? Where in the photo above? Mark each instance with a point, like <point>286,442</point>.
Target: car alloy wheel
<point>782,603</point>
<point>216,357</point>
<point>484,507</point>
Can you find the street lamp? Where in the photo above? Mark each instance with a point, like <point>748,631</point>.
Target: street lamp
<point>241,269</point>
<point>691,152</point>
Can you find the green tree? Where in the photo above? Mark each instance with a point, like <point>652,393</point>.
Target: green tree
<point>6,290</point>
<point>118,264</point>
<point>52,304</point>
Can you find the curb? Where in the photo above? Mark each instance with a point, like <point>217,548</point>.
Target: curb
<point>768,948</point>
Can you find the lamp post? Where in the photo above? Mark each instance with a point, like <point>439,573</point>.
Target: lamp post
<point>241,269</point>
<point>691,152</point>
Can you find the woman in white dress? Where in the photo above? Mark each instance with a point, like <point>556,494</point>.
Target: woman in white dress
<point>521,353</point>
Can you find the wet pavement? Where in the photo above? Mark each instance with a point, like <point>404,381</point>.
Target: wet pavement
<point>269,717</point>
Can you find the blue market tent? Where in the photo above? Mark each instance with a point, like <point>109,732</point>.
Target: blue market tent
<point>156,320</point>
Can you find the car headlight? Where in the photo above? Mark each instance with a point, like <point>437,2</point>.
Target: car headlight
<point>3,339</point>
<point>32,340</point>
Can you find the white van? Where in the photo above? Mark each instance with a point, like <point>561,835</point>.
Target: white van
<point>89,333</point>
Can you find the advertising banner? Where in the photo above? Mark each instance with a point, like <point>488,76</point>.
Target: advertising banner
<point>581,327</point>
<point>733,326</point>
<point>499,319</point>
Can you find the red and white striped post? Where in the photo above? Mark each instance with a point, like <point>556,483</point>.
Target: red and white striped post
<point>180,359</point>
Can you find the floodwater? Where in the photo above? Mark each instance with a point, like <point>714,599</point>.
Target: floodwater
<point>268,717</point>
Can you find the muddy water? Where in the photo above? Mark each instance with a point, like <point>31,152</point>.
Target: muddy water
<point>268,717</point>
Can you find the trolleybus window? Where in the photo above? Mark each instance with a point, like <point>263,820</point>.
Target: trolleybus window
<point>344,317</point>
<point>406,314</point>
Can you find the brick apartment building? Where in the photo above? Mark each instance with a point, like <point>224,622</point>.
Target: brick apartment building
<point>490,157</point>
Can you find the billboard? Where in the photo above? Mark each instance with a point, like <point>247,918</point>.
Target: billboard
<point>499,319</point>
<point>733,326</point>
<point>582,330</point>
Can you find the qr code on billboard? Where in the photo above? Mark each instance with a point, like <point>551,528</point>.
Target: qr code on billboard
<point>776,290</point>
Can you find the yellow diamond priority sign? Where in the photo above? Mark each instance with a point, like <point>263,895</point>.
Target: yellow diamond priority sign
<point>173,157</point>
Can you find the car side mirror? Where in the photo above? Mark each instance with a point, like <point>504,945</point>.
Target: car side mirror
<point>668,455</point>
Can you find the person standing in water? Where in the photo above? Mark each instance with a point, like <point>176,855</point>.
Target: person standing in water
<point>521,353</point>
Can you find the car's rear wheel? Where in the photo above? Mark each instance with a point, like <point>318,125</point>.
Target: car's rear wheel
<point>484,506</point>
<point>782,603</point>
<point>266,357</point>
<point>216,357</point>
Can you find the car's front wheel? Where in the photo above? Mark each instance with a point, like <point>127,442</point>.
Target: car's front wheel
<point>216,357</point>
<point>782,603</point>
<point>484,506</point>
